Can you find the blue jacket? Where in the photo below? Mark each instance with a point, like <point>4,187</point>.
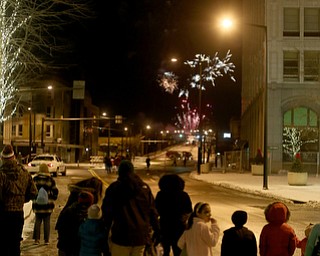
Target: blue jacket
<point>312,239</point>
<point>93,237</point>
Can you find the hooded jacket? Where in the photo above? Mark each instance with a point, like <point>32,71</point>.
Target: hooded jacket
<point>312,239</point>
<point>277,238</point>
<point>128,209</point>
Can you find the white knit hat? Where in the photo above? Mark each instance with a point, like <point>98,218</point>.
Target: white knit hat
<point>94,212</point>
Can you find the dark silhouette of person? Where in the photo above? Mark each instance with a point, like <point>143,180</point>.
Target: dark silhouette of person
<point>174,207</point>
<point>16,188</point>
<point>148,162</point>
<point>239,240</point>
<point>129,212</point>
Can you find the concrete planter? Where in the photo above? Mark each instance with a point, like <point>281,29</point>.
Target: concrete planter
<point>297,178</point>
<point>205,168</point>
<point>257,169</point>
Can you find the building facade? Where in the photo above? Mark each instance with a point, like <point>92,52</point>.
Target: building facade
<point>281,51</point>
<point>57,121</point>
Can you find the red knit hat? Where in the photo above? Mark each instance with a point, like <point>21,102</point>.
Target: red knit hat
<point>86,198</point>
<point>7,152</point>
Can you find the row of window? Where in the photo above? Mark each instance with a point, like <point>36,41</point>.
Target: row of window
<point>17,130</point>
<point>292,66</point>
<point>311,22</point>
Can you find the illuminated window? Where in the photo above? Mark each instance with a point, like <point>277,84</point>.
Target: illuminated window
<point>291,22</point>
<point>291,66</point>
<point>300,134</point>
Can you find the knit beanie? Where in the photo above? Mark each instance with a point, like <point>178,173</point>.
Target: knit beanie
<point>7,152</point>
<point>125,168</point>
<point>85,198</point>
<point>94,212</point>
<point>43,168</point>
<point>239,218</point>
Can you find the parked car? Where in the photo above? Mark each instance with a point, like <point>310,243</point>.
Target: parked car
<point>173,154</point>
<point>54,162</point>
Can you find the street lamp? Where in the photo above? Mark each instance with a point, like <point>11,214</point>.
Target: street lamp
<point>227,23</point>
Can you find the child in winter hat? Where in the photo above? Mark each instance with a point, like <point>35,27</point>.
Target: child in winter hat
<point>85,198</point>
<point>43,168</point>
<point>7,152</point>
<point>94,212</point>
<point>239,218</point>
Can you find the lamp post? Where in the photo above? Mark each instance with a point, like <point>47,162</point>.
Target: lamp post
<point>228,23</point>
<point>200,121</point>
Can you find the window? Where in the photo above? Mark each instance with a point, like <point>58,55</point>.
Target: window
<point>14,128</point>
<point>49,130</point>
<point>291,22</point>
<point>300,134</point>
<point>312,22</point>
<point>48,111</point>
<point>291,66</point>
<point>20,130</point>
<point>311,66</point>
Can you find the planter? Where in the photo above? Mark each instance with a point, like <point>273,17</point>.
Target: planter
<point>297,178</point>
<point>205,168</point>
<point>257,169</point>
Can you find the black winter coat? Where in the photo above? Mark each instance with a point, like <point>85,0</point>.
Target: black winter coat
<point>129,206</point>
<point>238,241</point>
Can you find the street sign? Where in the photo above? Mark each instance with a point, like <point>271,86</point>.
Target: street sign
<point>78,89</point>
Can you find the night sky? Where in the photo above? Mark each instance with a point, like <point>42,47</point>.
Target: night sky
<point>128,43</point>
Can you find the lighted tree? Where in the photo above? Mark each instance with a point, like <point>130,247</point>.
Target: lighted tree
<point>29,42</point>
<point>294,138</point>
<point>291,140</point>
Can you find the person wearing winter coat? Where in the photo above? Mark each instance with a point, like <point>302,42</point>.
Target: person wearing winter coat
<point>92,233</point>
<point>239,240</point>
<point>277,237</point>
<point>129,212</point>
<point>92,185</point>
<point>303,243</point>
<point>68,223</point>
<point>16,188</point>
<point>313,239</point>
<point>43,212</point>
<point>202,232</point>
<point>174,207</point>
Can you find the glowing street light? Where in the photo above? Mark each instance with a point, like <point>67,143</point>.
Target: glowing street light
<point>227,23</point>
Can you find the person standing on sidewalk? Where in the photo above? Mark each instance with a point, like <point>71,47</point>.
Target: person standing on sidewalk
<point>277,237</point>
<point>129,212</point>
<point>68,223</point>
<point>202,232</point>
<point>313,243</point>
<point>17,188</point>
<point>174,207</point>
<point>43,212</point>
<point>239,240</point>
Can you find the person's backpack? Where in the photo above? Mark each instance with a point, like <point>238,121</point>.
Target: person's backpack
<point>42,197</point>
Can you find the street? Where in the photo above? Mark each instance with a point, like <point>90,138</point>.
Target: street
<point>223,203</point>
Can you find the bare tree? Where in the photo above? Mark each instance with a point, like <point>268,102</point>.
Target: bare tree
<point>29,42</point>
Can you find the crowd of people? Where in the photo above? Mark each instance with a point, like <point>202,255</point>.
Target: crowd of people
<point>127,220</point>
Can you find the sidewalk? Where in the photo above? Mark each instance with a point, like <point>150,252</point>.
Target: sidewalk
<point>278,187</point>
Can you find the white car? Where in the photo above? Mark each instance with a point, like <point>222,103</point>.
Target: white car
<point>54,162</point>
